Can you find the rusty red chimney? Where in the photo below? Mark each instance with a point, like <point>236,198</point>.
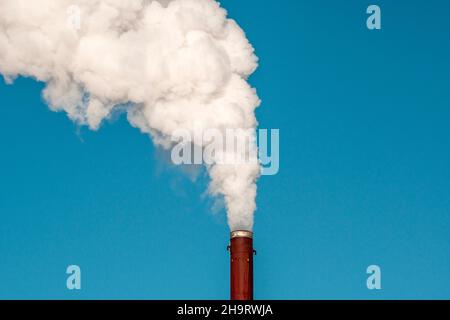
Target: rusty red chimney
<point>241,265</point>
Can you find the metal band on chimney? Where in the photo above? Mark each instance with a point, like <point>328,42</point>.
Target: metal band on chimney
<point>241,234</point>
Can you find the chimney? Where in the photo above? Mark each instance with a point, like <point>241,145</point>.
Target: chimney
<point>241,265</point>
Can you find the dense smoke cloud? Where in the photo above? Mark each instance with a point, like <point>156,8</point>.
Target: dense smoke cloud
<point>174,64</point>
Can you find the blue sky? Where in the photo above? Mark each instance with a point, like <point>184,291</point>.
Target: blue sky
<point>364,175</point>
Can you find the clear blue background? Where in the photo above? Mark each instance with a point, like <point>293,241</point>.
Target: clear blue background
<point>364,173</point>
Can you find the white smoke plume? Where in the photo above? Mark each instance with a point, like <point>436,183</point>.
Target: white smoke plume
<point>173,64</point>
